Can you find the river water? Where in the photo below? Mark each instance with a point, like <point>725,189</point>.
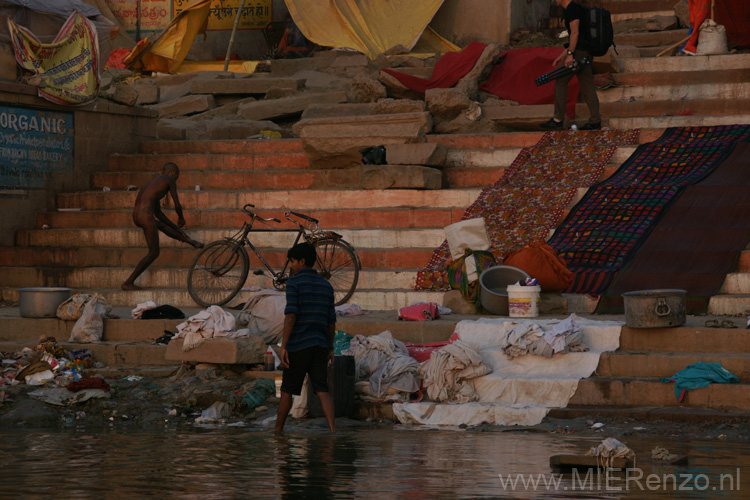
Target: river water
<point>356,463</point>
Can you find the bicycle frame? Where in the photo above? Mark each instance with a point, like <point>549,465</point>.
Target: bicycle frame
<point>279,278</point>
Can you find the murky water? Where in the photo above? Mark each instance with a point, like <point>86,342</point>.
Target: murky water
<point>361,463</point>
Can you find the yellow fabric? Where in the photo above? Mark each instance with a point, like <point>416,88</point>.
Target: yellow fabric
<point>234,66</point>
<point>431,43</point>
<point>368,26</point>
<point>174,44</point>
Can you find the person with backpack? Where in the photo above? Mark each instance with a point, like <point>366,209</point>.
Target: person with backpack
<point>576,21</point>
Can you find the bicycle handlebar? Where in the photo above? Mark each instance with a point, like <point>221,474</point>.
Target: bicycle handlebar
<point>255,216</point>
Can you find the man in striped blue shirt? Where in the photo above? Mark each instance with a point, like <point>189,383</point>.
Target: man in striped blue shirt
<point>309,329</point>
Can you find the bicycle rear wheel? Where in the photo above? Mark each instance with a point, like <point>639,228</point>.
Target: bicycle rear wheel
<point>337,263</point>
<point>218,273</point>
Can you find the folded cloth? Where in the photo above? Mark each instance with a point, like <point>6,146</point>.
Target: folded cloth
<point>143,306</point>
<point>209,323</point>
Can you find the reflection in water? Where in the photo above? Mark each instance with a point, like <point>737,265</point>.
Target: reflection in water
<point>359,463</point>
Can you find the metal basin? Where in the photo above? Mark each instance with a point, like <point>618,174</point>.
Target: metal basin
<point>494,282</point>
<point>654,308</point>
<point>42,302</point>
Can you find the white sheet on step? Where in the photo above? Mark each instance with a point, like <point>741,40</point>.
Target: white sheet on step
<point>522,390</point>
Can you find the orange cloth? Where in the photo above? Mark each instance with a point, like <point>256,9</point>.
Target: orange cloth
<point>700,10</point>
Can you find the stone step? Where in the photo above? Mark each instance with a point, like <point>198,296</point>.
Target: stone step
<point>629,392</point>
<point>58,260</point>
<point>679,121</point>
<point>656,365</point>
<point>737,283</point>
<point>466,168</point>
<point>133,237</point>
<point>645,115</point>
<point>196,179</point>
<point>112,354</point>
<point>624,16</point>
<point>651,38</point>
<point>729,304</point>
<point>707,64</point>
<point>161,278</point>
<point>690,338</point>
<point>269,146</point>
<point>617,7</point>
<point>371,300</point>
<point>676,92</point>
<point>735,77</point>
<point>230,162</point>
<point>224,219</point>
<point>310,199</point>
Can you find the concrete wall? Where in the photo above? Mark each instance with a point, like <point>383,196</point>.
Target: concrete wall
<point>463,21</point>
<point>101,128</point>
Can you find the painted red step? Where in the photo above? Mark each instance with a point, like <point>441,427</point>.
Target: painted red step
<point>222,147</point>
<point>209,161</point>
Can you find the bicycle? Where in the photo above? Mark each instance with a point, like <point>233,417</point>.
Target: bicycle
<point>219,271</point>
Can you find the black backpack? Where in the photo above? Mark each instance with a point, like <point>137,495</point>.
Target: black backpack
<point>601,33</point>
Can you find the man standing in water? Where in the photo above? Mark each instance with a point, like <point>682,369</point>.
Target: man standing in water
<point>309,329</point>
<point>148,216</point>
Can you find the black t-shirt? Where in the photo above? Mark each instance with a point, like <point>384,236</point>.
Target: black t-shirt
<point>575,11</point>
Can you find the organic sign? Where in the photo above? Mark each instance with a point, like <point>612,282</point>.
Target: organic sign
<point>33,143</point>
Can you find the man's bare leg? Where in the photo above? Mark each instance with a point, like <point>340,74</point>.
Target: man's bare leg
<point>177,234</point>
<point>326,401</point>
<point>285,405</point>
<point>152,240</point>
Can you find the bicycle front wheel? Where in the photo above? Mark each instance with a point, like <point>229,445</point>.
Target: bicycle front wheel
<point>337,263</point>
<point>218,273</point>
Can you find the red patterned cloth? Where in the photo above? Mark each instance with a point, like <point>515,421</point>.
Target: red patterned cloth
<point>529,199</point>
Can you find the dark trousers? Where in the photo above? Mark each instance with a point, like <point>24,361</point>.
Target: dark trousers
<point>588,92</point>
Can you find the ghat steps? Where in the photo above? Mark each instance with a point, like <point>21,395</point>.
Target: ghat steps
<point>92,244</point>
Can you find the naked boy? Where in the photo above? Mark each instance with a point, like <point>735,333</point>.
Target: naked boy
<point>148,216</point>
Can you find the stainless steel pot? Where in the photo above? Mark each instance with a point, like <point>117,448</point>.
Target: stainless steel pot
<point>42,302</point>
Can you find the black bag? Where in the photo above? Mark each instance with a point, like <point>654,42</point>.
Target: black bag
<point>373,156</point>
<point>601,34</point>
<point>163,312</point>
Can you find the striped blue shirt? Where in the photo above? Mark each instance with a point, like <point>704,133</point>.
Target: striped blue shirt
<point>310,297</point>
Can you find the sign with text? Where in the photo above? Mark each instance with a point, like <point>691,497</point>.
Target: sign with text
<point>155,14</point>
<point>32,144</point>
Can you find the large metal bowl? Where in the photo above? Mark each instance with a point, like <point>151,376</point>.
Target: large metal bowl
<point>494,292</point>
<point>42,302</point>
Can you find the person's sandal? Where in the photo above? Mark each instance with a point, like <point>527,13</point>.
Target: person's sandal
<point>728,324</point>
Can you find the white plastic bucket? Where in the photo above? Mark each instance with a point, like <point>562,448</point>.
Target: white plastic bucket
<point>523,301</point>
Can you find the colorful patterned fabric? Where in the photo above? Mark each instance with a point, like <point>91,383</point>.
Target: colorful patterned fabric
<point>458,274</point>
<point>605,229</point>
<point>529,199</point>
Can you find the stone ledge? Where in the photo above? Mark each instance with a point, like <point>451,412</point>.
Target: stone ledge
<point>245,350</point>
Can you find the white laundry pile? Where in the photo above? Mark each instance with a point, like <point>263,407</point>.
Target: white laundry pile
<point>263,313</point>
<point>209,323</point>
<point>140,308</point>
<point>448,374</point>
<point>349,310</point>
<point>526,338</point>
<point>386,364</point>
<point>520,390</point>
